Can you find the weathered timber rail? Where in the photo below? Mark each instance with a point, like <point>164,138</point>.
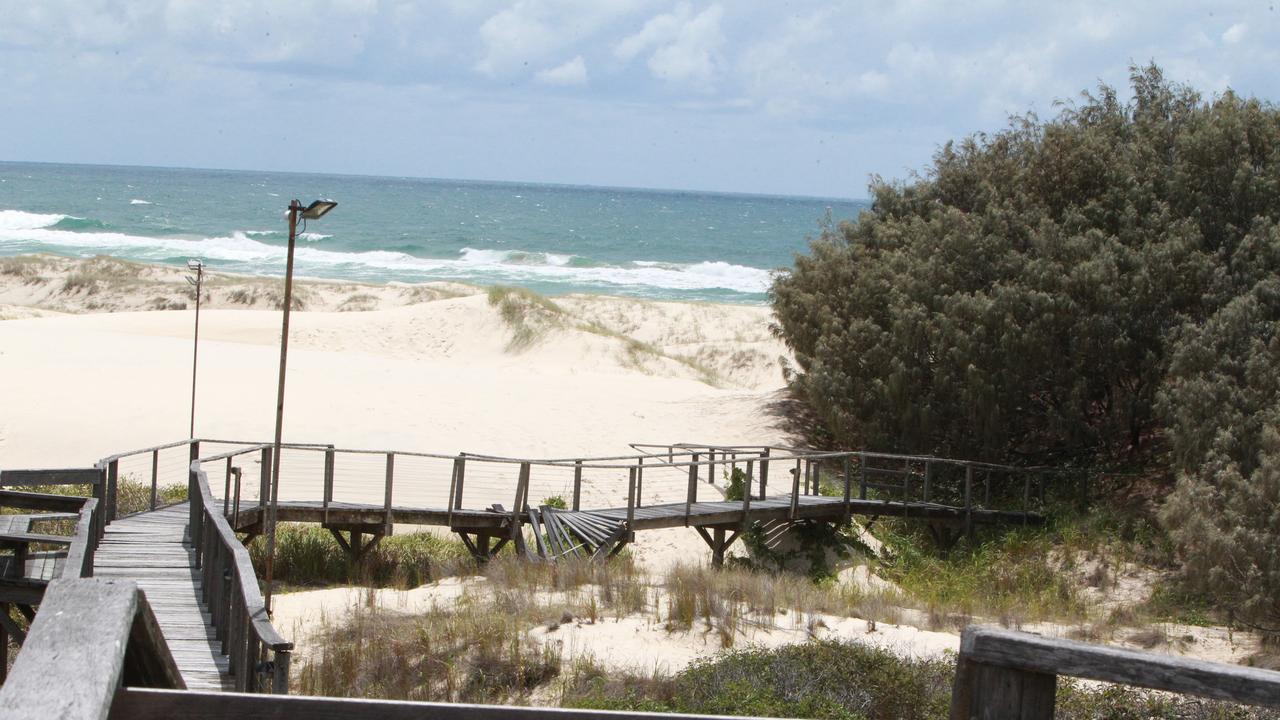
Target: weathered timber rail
<point>490,500</point>
<point>1007,675</point>
<point>210,615</point>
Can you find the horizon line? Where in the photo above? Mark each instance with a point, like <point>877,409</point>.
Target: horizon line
<point>577,186</point>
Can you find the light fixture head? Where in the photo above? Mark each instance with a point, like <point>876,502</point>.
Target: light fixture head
<point>194,264</point>
<point>317,209</point>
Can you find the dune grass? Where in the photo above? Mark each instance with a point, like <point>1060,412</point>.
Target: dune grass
<point>529,315</point>
<point>308,556</point>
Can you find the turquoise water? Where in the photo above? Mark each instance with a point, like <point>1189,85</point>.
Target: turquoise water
<point>550,238</point>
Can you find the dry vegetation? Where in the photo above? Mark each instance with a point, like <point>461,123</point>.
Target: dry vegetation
<point>107,284</point>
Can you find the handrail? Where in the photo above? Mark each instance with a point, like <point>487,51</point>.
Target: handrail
<point>231,592</point>
<point>81,544</point>
<point>1008,674</point>
<point>90,637</point>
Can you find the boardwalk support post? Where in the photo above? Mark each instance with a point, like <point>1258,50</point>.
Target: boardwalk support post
<point>718,540</point>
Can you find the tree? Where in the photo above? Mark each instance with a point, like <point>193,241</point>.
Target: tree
<point>1069,289</point>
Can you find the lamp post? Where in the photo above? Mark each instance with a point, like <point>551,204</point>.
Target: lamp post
<point>314,211</point>
<point>196,267</point>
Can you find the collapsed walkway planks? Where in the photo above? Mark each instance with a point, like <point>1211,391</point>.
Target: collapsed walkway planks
<point>150,549</point>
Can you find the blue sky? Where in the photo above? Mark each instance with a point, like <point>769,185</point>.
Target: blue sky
<point>790,98</point>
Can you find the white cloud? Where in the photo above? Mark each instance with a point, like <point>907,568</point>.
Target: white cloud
<point>686,48</point>
<point>532,31</point>
<point>1235,33</point>
<point>573,72</point>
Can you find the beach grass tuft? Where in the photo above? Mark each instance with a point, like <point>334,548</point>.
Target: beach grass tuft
<point>529,315</point>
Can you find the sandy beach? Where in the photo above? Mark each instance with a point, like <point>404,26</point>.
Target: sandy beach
<point>85,373</point>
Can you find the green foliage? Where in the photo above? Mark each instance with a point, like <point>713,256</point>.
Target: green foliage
<point>736,489</point>
<point>826,679</point>
<point>812,547</point>
<point>843,679</point>
<point>1019,299</point>
<point>1068,289</point>
<point>556,501</point>
<point>1224,424</point>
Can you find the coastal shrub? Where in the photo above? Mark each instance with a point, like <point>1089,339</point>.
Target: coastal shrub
<point>846,679</point>
<point>1066,291</point>
<point>819,679</point>
<point>556,501</point>
<point>1221,400</point>
<point>1020,299</point>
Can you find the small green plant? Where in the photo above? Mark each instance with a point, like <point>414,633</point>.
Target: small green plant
<point>556,501</point>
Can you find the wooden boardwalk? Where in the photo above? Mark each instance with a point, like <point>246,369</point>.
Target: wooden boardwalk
<point>150,549</point>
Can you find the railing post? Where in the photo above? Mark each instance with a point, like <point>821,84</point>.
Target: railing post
<point>155,475</point>
<point>264,485</point>
<point>862,476</point>
<point>968,501</point>
<point>280,673</point>
<point>329,462</point>
<point>577,485</point>
<point>391,471</point>
<point>692,496</point>
<point>928,480</point>
<point>764,472</point>
<point>848,487</point>
<point>113,477</point>
<point>631,500</point>
<point>453,488</point>
<point>235,512</point>
<point>193,510</point>
<point>640,483</point>
<point>1001,693</point>
<point>517,507</point>
<point>462,473</point>
<point>226,490</point>
<point>100,493</point>
<point>795,489</point>
<point>746,492</point>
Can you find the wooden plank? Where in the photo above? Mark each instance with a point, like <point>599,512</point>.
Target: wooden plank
<point>59,476</point>
<point>1024,651</point>
<point>142,704</point>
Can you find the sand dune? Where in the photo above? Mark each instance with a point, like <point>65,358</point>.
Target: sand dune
<point>85,373</point>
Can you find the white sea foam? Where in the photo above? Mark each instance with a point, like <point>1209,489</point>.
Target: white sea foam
<point>19,220</point>
<point>136,201</point>
<point>239,251</point>
<point>313,237</point>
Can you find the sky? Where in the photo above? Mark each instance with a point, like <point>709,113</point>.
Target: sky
<point>791,98</point>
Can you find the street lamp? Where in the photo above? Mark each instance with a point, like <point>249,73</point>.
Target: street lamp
<point>196,267</point>
<point>314,211</point>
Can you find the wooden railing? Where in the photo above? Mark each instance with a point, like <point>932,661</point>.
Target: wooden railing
<point>90,637</point>
<point>259,655</point>
<point>1007,675</point>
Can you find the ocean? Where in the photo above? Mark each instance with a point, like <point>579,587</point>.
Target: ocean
<point>553,239</point>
